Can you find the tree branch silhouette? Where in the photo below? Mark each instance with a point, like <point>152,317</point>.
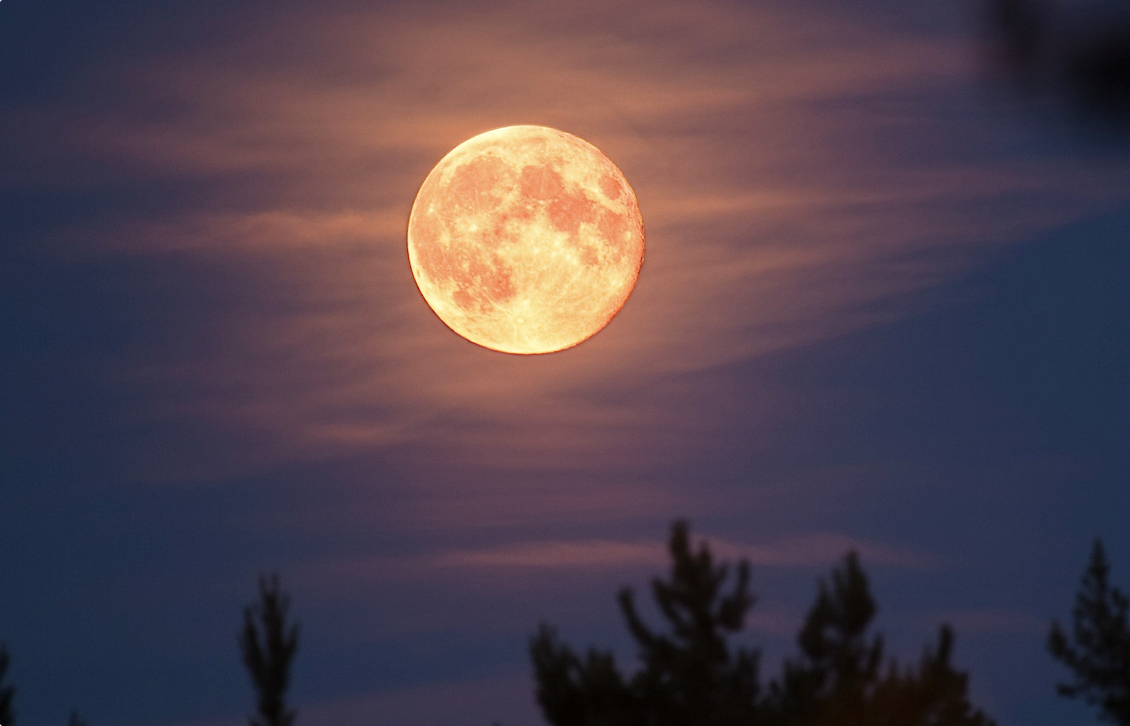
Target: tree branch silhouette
<point>268,644</point>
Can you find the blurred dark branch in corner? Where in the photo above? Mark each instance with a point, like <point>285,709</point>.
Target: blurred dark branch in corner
<point>1075,49</point>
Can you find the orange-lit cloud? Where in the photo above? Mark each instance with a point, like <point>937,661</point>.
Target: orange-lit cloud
<point>819,549</point>
<point>795,183</point>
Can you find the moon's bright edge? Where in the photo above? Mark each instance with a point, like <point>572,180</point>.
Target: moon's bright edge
<point>525,239</point>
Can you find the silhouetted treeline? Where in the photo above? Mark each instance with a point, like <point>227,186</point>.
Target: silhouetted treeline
<point>1098,649</point>
<point>693,674</point>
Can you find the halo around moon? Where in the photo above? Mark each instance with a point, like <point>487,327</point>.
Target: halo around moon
<point>525,239</point>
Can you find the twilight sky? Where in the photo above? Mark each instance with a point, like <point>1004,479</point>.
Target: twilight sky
<point>884,305</point>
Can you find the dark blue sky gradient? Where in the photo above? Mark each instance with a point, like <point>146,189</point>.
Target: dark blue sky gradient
<point>881,308</point>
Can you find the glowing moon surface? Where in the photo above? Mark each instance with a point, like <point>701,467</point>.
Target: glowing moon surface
<point>525,239</point>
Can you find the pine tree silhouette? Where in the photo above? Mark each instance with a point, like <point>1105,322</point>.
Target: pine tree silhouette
<point>934,695</point>
<point>689,676</point>
<point>7,693</point>
<point>1099,653</point>
<point>840,678</point>
<point>268,644</point>
<point>838,660</point>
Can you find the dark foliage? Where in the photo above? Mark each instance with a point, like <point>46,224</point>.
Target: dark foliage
<point>838,661</point>
<point>840,679</point>
<point>1098,651</point>
<point>933,695</point>
<point>694,674</point>
<point>269,643</point>
<point>689,675</point>
<point>7,693</point>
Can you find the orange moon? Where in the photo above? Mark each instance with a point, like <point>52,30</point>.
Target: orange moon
<point>525,239</point>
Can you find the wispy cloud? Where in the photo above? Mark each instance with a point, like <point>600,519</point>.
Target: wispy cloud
<point>795,176</point>
<point>588,554</point>
<point>824,548</point>
<point>817,549</point>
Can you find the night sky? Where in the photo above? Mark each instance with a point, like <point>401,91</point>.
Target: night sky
<point>884,306</point>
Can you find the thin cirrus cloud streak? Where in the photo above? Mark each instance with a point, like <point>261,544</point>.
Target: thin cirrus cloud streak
<point>777,213</point>
<point>524,570</point>
<point>816,549</point>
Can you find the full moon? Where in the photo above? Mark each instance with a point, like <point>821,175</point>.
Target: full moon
<point>525,239</point>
